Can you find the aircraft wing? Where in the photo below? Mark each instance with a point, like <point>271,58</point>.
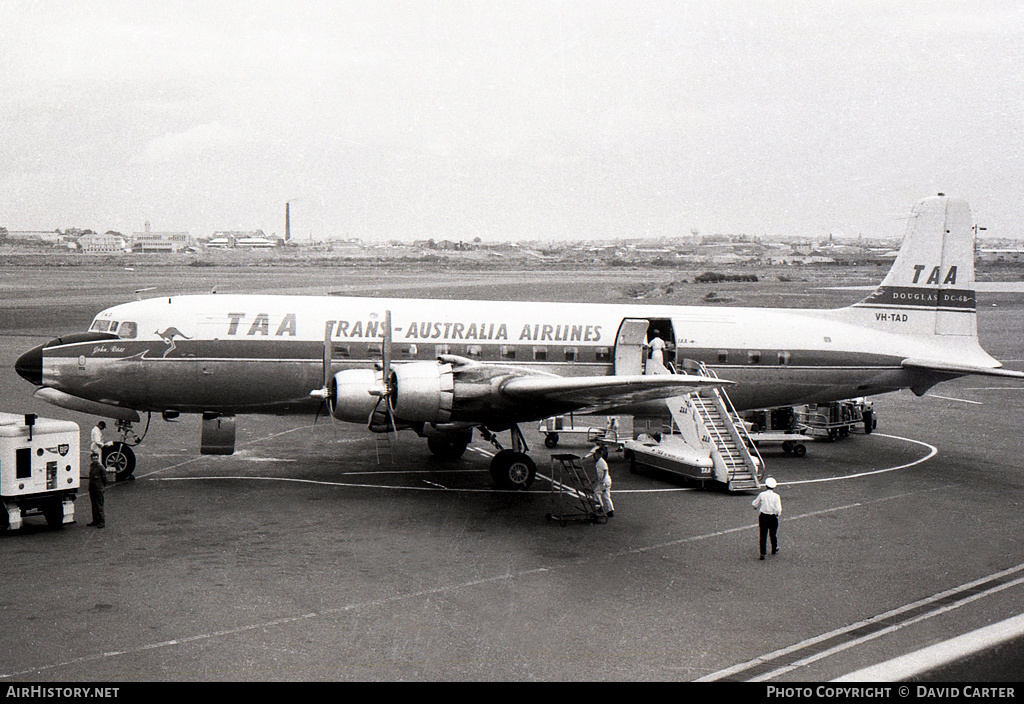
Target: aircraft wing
<point>593,393</point>
<point>960,369</point>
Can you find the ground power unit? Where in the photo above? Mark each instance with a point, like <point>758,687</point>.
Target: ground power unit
<point>39,469</point>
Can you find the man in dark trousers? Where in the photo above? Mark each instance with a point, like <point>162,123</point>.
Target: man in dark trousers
<point>769,507</point>
<point>97,485</point>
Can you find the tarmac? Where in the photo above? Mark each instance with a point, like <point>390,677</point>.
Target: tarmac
<point>315,553</point>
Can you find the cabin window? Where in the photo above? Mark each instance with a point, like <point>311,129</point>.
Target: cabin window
<point>408,350</point>
<point>603,354</point>
<point>474,351</point>
<point>508,352</point>
<point>375,350</point>
<point>344,351</point>
<point>128,330</point>
<point>442,349</point>
<point>571,354</point>
<point>784,357</point>
<point>754,357</point>
<point>723,356</point>
<point>540,354</point>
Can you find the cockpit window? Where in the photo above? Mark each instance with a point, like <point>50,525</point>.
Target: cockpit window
<point>100,325</point>
<point>127,331</point>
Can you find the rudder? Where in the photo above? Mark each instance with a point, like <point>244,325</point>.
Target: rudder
<point>931,283</point>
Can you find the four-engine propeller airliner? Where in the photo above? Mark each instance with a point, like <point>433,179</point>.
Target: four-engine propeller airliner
<point>445,368</point>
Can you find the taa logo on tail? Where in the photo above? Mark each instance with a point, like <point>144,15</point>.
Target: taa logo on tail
<point>933,278</point>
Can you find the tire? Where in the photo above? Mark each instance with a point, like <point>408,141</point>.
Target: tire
<point>513,470</point>
<point>551,440</point>
<point>121,458</point>
<point>869,423</point>
<point>450,446</point>
<point>799,450</point>
<point>53,512</point>
<point>787,446</point>
<point>631,460</point>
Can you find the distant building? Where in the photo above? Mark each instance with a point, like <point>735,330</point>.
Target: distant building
<point>149,241</point>
<point>230,239</point>
<point>52,236</point>
<point>107,243</point>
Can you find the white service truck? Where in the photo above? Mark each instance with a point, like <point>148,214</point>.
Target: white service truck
<point>39,463</point>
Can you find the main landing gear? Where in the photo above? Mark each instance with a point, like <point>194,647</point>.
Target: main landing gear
<point>511,469</point>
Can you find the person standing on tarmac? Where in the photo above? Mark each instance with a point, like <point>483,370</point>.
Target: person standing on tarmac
<point>603,483</point>
<point>97,485</point>
<point>769,506</point>
<point>96,438</point>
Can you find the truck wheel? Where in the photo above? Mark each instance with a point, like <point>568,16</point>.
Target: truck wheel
<point>121,458</point>
<point>868,422</point>
<point>450,446</point>
<point>550,440</point>
<point>53,512</point>
<point>799,449</point>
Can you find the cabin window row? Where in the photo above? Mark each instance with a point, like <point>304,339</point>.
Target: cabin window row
<point>781,358</point>
<point>504,353</point>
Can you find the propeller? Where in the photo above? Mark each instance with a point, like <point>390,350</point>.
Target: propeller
<point>324,392</point>
<point>385,392</point>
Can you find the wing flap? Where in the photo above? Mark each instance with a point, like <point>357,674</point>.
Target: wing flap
<point>605,391</point>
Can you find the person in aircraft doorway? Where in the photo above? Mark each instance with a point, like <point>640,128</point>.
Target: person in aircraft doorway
<point>769,507</point>
<point>603,482</point>
<point>656,362</point>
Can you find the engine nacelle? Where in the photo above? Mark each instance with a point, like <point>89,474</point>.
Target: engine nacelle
<point>420,392</point>
<point>423,391</point>
<point>356,392</point>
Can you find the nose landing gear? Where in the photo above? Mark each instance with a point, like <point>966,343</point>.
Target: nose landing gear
<point>118,456</point>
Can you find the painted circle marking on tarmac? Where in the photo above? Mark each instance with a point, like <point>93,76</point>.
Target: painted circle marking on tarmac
<point>932,451</point>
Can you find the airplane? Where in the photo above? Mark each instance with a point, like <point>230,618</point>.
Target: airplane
<point>446,368</point>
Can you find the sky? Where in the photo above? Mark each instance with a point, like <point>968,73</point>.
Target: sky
<point>509,121</point>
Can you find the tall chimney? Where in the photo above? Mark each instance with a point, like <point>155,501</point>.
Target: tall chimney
<point>287,221</point>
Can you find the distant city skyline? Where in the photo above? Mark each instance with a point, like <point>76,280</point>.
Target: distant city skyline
<point>520,121</point>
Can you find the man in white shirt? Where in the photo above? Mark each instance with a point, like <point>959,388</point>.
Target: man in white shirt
<point>96,444</point>
<point>769,507</point>
<point>603,483</point>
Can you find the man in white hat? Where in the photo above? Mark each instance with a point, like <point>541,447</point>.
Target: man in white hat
<point>769,506</point>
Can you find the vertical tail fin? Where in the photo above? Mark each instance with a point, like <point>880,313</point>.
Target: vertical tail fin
<point>930,287</point>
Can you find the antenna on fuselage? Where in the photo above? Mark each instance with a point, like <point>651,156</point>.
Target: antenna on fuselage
<point>140,291</point>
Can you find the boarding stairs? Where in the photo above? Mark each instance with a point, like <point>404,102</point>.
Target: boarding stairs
<point>737,462</point>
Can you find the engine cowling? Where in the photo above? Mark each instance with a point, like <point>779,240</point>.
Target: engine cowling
<point>420,392</point>
<point>423,391</point>
<point>355,394</point>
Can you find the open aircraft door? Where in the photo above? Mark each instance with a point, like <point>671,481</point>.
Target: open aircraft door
<point>629,346</point>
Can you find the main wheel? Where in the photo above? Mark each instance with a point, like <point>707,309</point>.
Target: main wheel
<point>450,446</point>
<point>121,458</point>
<point>513,470</point>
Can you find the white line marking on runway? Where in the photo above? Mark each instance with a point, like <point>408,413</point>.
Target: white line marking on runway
<point>951,398</point>
<point>916,606</point>
<point>427,592</point>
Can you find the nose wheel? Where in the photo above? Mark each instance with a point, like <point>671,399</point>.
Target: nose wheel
<point>120,458</point>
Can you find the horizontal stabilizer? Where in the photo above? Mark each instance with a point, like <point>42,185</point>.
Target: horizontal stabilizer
<point>606,391</point>
<point>960,369</point>
<point>104,410</point>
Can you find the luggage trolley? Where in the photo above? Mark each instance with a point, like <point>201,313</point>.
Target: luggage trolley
<point>572,492</point>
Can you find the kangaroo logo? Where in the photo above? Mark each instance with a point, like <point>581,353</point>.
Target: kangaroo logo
<point>168,336</point>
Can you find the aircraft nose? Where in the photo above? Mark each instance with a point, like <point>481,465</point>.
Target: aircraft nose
<point>30,365</point>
